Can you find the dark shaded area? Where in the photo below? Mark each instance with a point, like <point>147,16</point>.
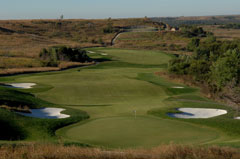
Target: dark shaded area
<point>77,144</point>
<point>98,60</point>
<point>125,65</point>
<point>53,55</point>
<point>15,98</point>
<point>193,31</point>
<point>6,30</point>
<point>213,20</point>
<point>175,91</point>
<point>230,26</point>
<point>93,105</point>
<point>17,127</point>
<point>10,130</point>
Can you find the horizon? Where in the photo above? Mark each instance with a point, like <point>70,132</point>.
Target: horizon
<point>73,9</point>
<point>122,17</point>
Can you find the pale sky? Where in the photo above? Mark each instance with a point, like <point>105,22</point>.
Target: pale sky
<point>94,9</point>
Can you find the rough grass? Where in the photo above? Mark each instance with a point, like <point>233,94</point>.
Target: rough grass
<point>167,41</point>
<point>26,38</point>
<point>18,62</point>
<point>72,152</point>
<point>62,66</point>
<point>224,34</point>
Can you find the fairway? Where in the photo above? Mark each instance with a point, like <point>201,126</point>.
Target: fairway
<point>111,91</point>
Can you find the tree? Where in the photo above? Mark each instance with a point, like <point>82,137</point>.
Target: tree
<point>53,55</point>
<point>109,28</point>
<point>226,68</point>
<point>61,17</point>
<point>194,43</point>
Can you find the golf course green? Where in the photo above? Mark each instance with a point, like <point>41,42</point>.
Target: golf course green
<point>128,103</point>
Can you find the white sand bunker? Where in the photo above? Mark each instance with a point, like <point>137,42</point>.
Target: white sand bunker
<point>194,113</point>
<point>103,54</point>
<point>21,85</point>
<point>46,113</point>
<point>91,52</point>
<point>238,118</point>
<point>178,87</point>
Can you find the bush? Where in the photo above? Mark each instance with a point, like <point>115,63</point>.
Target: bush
<point>179,65</point>
<point>215,63</point>
<point>193,44</point>
<point>109,28</point>
<point>193,31</point>
<point>53,55</point>
<point>230,26</point>
<point>226,68</point>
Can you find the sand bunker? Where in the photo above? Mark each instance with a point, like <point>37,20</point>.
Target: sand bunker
<point>46,113</point>
<point>194,113</point>
<point>178,87</point>
<point>21,85</point>
<point>104,54</point>
<point>238,118</point>
<point>91,52</point>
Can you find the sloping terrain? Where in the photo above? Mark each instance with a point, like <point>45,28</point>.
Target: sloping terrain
<point>128,103</point>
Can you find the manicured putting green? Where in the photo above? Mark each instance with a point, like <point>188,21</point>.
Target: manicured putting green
<point>122,132</point>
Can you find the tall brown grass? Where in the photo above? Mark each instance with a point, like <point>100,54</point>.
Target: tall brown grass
<point>30,36</point>
<point>167,41</point>
<point>35,151</point>
<point>62,66</point>
<point>22,40</point>
<point>223,34</point>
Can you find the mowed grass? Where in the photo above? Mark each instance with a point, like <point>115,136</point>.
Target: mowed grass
<point>115,89</point>
<point>111,94</point>
<point>142,131</point>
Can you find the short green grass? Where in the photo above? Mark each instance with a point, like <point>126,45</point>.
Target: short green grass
<point>111,91</point>
<point>142,131</point>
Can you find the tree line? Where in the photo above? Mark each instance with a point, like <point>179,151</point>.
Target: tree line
<point>230,26</point>
<point>213,62</point>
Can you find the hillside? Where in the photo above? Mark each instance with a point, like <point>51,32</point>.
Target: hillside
<point>198,20</point>
<point>22,40</point>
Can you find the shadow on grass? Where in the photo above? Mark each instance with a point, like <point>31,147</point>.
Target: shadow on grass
<point>167,86</point>
<point>93,105</point>
<point>18,127</point>
<point>119,64</point>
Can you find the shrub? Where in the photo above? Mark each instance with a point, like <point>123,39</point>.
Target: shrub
<point>215,63</point>
<point>194,43</point>
<point>230,26</point>
<point>53,55</point>
<point>226,68</point>
<point>193,31</point>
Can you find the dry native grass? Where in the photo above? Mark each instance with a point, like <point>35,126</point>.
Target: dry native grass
<point>62,66</point>
<point>72,152</point>
<point>22,40</point>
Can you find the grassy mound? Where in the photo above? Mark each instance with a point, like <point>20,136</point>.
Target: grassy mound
<point>17,127</point>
